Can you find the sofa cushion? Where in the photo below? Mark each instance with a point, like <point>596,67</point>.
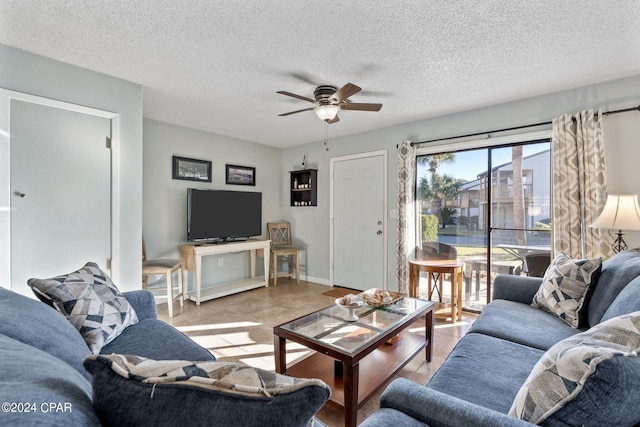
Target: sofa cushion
<point>90,301</point>
<point>130,390</point>
<point>390,417</point>
<point>522,323</point>
<point>154,339</point>
<point>515,288</point>
<point>36,324</point>
<point>594,377</point>
<point>565,286</point>
<point>41,389</point>
<point>617,272</point>
<point>485,370</point>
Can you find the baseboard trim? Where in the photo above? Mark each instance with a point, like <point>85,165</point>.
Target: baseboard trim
<point>317,280</point>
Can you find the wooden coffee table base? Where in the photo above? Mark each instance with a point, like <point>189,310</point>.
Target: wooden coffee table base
<point>362,377</point>
<point>370,377</point>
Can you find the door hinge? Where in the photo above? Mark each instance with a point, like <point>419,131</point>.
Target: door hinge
<point>108,267</point>
<point>108,142</point>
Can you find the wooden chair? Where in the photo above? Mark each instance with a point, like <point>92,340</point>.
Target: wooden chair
<point>280,236</point>
<point>165,267</point>
<point>436,250</point>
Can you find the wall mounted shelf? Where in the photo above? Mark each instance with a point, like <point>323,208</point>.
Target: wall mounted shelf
<point>303,187</point>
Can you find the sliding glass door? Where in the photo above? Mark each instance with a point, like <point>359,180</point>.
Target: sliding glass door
<point>489,208</point>
<point>520,217</point>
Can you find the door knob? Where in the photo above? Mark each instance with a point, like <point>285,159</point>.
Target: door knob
<point>19,194</point>
<point>379,232</point>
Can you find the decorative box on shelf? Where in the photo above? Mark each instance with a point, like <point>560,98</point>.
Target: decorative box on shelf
<point>304,187</point>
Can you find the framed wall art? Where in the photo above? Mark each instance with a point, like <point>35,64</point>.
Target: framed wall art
<point>240,175</point>
<point>191,169</point>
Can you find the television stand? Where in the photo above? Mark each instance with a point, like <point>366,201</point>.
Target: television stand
<point>230,240</point>
<point>192,254</point>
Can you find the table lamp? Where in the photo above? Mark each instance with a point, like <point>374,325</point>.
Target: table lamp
<point>621,212</point>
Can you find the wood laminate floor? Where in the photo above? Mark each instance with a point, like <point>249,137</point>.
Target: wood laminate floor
<point>239,328</point>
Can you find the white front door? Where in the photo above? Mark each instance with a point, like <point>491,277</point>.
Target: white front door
<point>60,191</point>
<point>358,227</point>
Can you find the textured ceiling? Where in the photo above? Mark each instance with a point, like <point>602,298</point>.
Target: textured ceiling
<point>216,65</point>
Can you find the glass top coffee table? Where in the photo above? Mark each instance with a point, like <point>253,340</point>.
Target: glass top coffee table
<point>356,358</point>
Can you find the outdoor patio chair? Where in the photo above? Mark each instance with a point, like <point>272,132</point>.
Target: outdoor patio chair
<point>537,263</point>
<point>436,250</point>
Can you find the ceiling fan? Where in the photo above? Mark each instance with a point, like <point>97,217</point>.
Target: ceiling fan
<point>329,100</point>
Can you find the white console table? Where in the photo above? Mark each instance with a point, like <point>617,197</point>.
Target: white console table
<point>192,253</point>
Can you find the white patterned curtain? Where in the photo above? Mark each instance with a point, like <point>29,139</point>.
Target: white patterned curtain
<point>406,213</point>
<point>579,185</point>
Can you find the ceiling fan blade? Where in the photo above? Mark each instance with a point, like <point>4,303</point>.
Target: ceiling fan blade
<point>335,119</point>
<point>345,92</point>
<point>305,77</point>
<point>358,106</point>
<point>304,98</point>
<point>297,111</point>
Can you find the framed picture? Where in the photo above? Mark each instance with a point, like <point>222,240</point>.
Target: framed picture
<point>241,175</point>
<point>191,169</point>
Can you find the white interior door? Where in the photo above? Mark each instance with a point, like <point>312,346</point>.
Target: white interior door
<point>359,232</point>
<point>60,191</point>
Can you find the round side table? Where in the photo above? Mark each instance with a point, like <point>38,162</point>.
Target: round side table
<point>432,266</point>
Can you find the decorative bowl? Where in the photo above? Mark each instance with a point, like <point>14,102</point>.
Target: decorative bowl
<point>379,297</point>
<point>356,303</point>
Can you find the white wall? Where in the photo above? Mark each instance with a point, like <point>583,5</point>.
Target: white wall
<point>622,132</point>
<point>622,151</point>
<point>33,74</point>
<point>165,199</point>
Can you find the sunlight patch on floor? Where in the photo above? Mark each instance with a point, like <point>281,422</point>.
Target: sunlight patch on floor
<point>452,325</point>
<point>230,351</point>
<point>215,326</point>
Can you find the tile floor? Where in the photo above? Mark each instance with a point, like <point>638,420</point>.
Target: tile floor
<point>239,328</point>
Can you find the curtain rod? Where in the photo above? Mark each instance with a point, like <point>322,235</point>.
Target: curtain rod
<point>607,113</point>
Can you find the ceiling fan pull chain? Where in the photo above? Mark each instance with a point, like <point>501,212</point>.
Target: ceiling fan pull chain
<point>326,136</point>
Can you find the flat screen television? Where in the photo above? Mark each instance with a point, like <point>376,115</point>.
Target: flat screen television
<point>223,216</point>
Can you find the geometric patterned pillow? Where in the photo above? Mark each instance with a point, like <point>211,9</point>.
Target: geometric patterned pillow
<point>226,376</point>
<point>565,286</point>
<point>565,370</point>
<point>90,301</point>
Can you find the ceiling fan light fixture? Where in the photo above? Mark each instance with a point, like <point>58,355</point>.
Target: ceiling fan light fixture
<point>326,112</point>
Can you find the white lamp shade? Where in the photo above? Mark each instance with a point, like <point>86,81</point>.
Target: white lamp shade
<point>326,112</point>
<point>621,212</point>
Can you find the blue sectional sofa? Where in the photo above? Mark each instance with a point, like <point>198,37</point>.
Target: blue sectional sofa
<point>480,379</point>
<point>43,380</point>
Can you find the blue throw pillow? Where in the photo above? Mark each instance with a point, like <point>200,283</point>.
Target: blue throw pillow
<point>38,389</point>
<point>627,301</point>
<point>38,325</point>
<point>617,272</point>
<point>133,390</point>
